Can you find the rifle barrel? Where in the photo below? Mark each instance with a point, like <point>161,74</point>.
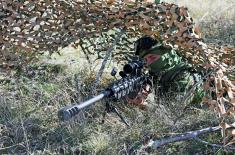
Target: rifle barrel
<point>68,112</point>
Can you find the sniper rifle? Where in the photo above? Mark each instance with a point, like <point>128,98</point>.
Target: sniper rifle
<point>131,82</point>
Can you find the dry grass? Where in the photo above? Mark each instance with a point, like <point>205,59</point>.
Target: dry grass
<point>207,9</point>
<point>29,122</point>
<point>30,100</point>
<point>216,19</point>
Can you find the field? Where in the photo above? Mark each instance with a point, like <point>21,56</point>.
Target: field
<point>31,98</point>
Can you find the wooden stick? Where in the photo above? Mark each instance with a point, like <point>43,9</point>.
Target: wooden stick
<point>182,137</point>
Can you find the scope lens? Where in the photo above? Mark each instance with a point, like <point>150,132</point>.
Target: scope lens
<point>128,68</point>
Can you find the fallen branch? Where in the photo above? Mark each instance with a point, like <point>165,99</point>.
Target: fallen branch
<point>182,137</point>
<point>215,145</point>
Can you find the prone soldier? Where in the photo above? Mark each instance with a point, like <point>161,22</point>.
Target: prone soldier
<point>172,74</point>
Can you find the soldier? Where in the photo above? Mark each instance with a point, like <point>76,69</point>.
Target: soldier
<point>172,74</point>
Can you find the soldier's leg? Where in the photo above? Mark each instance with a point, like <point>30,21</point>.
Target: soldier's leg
<point>187,86</point>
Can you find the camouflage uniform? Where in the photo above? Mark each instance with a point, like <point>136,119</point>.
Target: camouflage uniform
<point>172,74</point>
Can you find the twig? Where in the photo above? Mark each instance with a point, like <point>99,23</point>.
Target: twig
<point>214,145</point>
<point>5,149</point>
<point>85,51</point>
<point>107,55</point>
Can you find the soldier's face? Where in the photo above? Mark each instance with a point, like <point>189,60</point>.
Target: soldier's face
<point>151,58</point>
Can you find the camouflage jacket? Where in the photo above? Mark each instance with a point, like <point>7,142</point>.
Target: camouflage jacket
<point>172,73</point>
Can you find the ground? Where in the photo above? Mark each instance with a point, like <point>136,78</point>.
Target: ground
<point>31,98</point>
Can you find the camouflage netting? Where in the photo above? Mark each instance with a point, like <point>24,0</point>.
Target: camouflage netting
<point>43,25</point>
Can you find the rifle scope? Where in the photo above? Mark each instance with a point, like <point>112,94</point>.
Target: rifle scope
<point>133,67</point>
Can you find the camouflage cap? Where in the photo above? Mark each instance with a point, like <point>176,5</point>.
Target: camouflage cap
<point>168,56</point>
<point>147,45</point>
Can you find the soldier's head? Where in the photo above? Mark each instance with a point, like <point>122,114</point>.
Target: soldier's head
<point>144,49</point>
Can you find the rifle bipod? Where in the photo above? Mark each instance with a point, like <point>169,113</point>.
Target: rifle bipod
<point>111,108</point>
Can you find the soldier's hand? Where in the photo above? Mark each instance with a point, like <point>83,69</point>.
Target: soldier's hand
<point>140,98</point>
